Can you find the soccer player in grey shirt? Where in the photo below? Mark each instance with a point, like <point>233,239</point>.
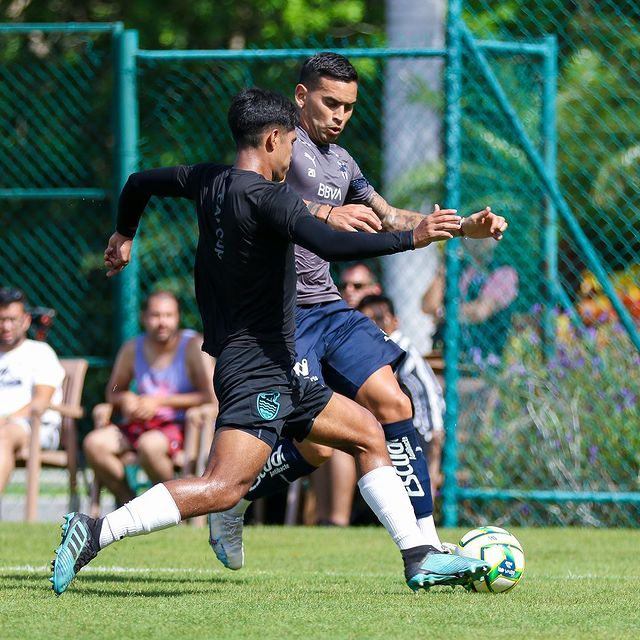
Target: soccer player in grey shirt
<point>334,343</point>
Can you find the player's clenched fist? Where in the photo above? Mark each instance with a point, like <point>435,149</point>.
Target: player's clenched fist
<point>117,254</point>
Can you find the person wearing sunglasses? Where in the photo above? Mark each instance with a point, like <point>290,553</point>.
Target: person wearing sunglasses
<point>356,282</point>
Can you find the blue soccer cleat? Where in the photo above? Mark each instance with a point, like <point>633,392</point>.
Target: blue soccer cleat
<point>79,545</point>
<point>437,568</point>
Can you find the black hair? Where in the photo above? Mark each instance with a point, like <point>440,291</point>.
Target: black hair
<point>370,300</point>
<point>160,293</point>
<point>326,65</point>
<point>254,110</point>
<point>9,295</point>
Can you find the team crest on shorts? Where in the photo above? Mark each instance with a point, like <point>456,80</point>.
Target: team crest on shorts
<point>268,405</point>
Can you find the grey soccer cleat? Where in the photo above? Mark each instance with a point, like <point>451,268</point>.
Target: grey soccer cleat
<point>225,538</point>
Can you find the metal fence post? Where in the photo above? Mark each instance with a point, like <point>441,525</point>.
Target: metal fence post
<point>453,115</point>
<point>550,138</point>
<point>126,159</point>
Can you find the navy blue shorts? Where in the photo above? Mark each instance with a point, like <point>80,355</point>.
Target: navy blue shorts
<point>340,346</point>
<point>265,398</point>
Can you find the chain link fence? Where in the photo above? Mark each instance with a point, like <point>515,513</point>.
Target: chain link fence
<point>56,167</point>
<point>549,410</point>
<point>55,175</point>
<point>182,105</point>
<point>544,406</point>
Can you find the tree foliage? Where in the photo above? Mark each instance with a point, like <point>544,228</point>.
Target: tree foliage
<point>203,24</point>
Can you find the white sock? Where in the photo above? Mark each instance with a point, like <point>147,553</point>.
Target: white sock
<point>428,529</point>
<point>385,494</point>
<point>153,510</point>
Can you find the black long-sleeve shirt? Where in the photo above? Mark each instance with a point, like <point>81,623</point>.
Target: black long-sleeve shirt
<point>245,275</point>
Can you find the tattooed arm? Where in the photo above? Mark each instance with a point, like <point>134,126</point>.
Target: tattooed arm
<point>349,217</point>
<point>392,217</point>
<point>482,224</point>
<point>320,211</point>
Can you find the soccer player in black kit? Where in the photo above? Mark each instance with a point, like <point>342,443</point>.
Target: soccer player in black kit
<point>245,286</point>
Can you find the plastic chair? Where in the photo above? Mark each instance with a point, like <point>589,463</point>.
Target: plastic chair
<point>192,460</point>
<point>34,458</point>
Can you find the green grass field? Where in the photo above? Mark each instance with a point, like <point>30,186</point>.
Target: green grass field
<point>314,583</point>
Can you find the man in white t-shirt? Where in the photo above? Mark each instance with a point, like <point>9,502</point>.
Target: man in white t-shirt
<point>30,381</point>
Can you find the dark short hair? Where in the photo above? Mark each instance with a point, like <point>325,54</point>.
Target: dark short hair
<point>253,111</point>
<point>160,293</point>
<point>369,301</point>
<point>326,65</point>
<point>8,296</point>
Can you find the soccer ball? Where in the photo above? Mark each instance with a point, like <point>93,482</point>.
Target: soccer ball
<point>501,550</point>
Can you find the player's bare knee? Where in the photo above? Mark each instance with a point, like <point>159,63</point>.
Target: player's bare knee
<point>369,436</point>
<point>315,454</point>
<point>393,407</point>
<point>321,455</point>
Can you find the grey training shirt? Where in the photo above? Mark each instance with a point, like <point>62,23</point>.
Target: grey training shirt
<point>329,175</point>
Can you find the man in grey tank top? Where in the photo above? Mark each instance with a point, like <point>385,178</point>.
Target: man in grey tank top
<point>170,374</point>
<point>335,344</point>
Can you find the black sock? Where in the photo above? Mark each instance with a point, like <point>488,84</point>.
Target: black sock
<point>285,465</point>
<point>414,556</point>
<point>410,464</point>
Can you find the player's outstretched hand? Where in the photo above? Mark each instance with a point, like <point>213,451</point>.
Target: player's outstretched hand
<point>439,225</point>
<point>354,217</point>
<point>484,224</point>
<point>117,254</point>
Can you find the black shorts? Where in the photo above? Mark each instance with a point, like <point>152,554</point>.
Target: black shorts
<point>264,397</point>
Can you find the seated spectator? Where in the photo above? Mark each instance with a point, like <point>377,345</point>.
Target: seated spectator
<point>417,380</point>
<point>488,290</point>
<point>31,379</point>
<point>170,374</point>
<point>356,282</point>
<point>334,482</point>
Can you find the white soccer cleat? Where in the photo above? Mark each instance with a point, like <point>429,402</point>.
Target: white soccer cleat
<point>225,538</point>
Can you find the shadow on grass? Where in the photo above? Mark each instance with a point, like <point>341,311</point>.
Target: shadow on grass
<point>145,585</point>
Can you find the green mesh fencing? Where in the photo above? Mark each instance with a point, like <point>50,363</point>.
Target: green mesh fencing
<point>543,381</point>
<point>56,168</point>
<point>55,176</point>
<point>183,104</point>
<point>548,395</point>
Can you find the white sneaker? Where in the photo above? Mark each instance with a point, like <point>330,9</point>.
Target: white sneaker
<point>225,538</point>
